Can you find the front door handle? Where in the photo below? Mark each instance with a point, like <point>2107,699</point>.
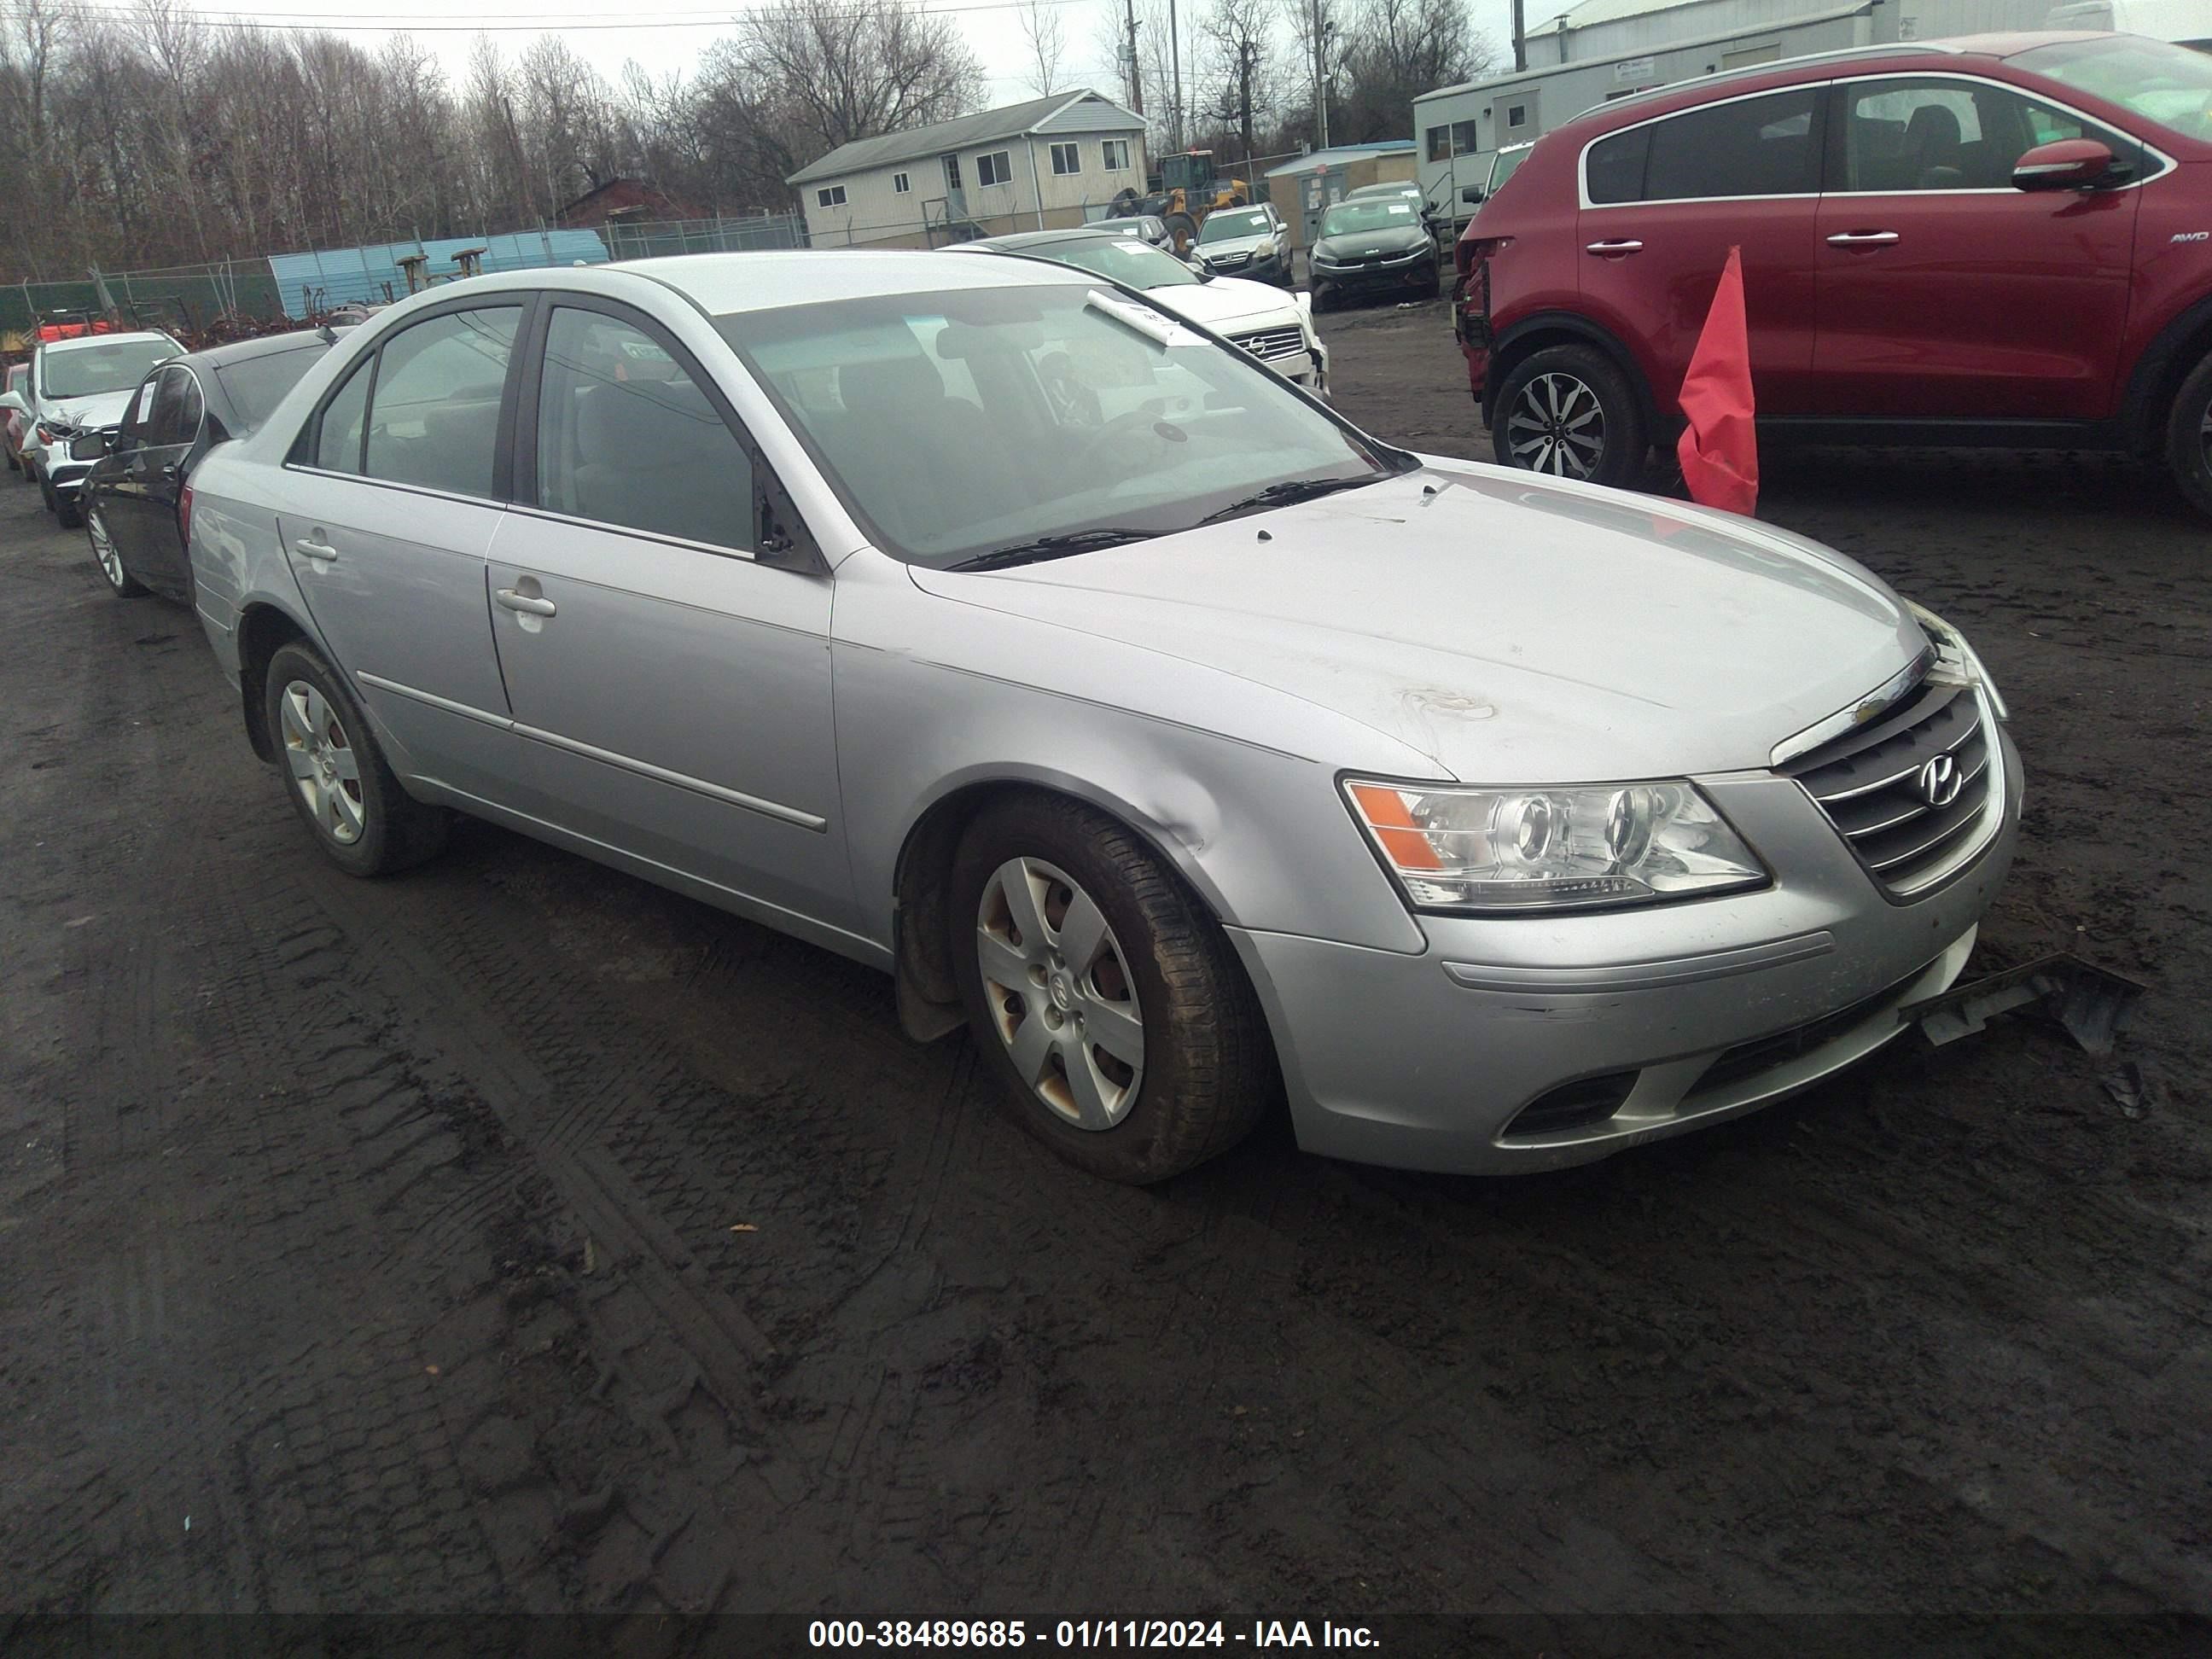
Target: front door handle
<point>1863,239</point>
<point>529,604</point>
<point>1604,249</point>
<point>320,552</point>
<point>170,470</point>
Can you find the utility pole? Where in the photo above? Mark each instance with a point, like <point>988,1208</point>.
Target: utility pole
<point>1136,74</point>
<point>1244,55</point>
<point>1175,55</point>
<point>1520,36</point>
<point>1321,74</point>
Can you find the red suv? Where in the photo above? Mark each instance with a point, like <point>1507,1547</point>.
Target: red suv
<point>2004,240</point>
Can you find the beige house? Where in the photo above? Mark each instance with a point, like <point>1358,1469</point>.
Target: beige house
<point>1039,165</point>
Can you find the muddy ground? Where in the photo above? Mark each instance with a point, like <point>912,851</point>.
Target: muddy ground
<point>515,1235</point>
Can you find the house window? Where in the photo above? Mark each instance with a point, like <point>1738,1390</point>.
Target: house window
<point>1115,153</point>
<point>1065,159</point>
<point>899,185</point>
<point>1465,140</point>
<point>996,168</point>
<point>952,172</point>
<point>833,197</point>
<point>1440,143</point>
<point>1516,115</point>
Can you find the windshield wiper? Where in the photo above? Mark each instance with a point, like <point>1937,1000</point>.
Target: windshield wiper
<point>1053,547</point>
<point>1287,492</point>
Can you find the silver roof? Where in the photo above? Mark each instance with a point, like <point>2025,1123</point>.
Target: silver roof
<point>724,282</point>
<point>961,132</point>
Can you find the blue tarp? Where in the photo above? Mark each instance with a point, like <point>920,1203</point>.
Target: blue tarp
<point>338,277</point>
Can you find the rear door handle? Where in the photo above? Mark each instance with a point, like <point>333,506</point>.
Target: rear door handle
<point>1603,248</point>
<point>1863,239</point>
<point>529,604</point>
<point>320,552</point>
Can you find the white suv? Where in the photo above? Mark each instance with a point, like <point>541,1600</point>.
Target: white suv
<point>75,388</point>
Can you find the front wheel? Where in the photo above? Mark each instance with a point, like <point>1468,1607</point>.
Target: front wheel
<point>2189,438</point>
<point>1106,999</point>
<point>120,581</point>
<point>336,775</point>
<point>1569,411</point>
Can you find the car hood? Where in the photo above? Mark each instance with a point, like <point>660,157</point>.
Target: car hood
<point>1226,302</point>
<point>104,409</point>
<point>1358,244</point>
<point>1228,247</point>
<point>1511,629</point>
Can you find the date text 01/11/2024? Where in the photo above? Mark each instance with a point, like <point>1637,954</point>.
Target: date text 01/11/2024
<point>1084,1633</point>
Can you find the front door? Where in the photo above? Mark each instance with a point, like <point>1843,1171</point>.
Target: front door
<point>1947,293</point>
<point>1665,202</point>
<point>390,507</point>
<point>672,690</point>
<point>143,514</point>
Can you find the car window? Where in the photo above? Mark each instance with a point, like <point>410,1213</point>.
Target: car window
<point>1350,218</point>
<point>967,421</point>
<point>257,385</point>
<point>1949,133</point>
<point>626,436</point>
<point>133,424</point>
<point>1745,146</point>
<point>174,417</point>
<point>1136,264</point>
<point>433,416</point>
<point>337,445</point>
<point>87,371</point>
<point>1250,221</point>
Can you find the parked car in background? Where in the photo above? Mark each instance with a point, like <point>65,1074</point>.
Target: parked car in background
<point>1503,166</point>
<point>76,387</point>
<point>2004,240</point>
<point>1245,241</point>
<point>988,624</point>
<point>1147,228</point>
<point>1275,327</point>
<point>136,498</point>
<point>1372,245</point>
<point>14,421</point>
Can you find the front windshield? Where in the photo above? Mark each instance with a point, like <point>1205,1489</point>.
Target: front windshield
<point>88,371</point>
<point>1350,218</point>
<point>2168,84</point>
<point>959,423</point>
<point>1508,162</point>
<point>1222,227</point>
<point>1132,263</point>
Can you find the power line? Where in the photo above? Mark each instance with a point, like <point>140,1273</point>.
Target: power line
<point>544,23</point>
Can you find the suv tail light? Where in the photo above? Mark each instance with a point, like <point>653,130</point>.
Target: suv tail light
<point>184,517</point>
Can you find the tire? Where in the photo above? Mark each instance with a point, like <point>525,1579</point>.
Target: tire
<point>1581,379</point>
<point>120,581</point>
<point>47,495</point>
<point>1323,297</point>
<point>367,824</point>
<point>69,512</point>
<point>15,462</point>
<point>1201,1071</point>
<point>1182,230</point>
<point>2189,438</point>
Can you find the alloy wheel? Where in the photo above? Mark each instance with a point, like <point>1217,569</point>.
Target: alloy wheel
<point>1060,994</point>
<point>1557,426</point>
<point>103,549</point>
<point>325,767</point>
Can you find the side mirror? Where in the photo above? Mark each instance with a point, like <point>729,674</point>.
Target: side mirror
<point>2067,164</point>
<point>1472,194</point>
<point>14,404</point>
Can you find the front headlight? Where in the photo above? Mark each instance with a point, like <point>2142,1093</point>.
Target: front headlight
<point>1265,250</point>
<point>1552,849</point>
<point>1954,653</point>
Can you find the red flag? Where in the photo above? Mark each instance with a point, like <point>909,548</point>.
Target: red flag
<point>1719,450</point>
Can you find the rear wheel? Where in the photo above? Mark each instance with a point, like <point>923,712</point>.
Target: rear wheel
<point>2189,438</point>
<point>1569,411</point>
<point>335,774</point>
<point>109,560</point>
<point>68,511</point>
<point>1103,995</point>
<point>1182,231</point>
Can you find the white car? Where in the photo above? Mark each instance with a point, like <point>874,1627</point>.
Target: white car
<point>1275,327</point>
<point>75,388</point>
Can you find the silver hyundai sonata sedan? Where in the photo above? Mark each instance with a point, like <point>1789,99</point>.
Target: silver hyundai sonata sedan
<point>981,621</point>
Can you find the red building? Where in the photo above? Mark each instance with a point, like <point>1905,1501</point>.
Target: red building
<point>625,199</point>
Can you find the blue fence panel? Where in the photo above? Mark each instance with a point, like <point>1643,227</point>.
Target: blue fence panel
<point>360,275</point>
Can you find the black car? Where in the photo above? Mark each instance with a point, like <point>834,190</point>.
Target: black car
<point>185,408</point>
<point>1372,244</point>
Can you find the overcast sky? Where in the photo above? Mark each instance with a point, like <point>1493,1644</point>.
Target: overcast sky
<point>669,35</point>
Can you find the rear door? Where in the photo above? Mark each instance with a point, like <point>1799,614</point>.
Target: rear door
<point>672,688</point>
<point>1662,203</point>
<point>393,493</point>
<point>1947,293</point>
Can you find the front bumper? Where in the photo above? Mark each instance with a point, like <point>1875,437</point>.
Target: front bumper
<point>67,477</point>
<point>1694,1012</point>
<point>1417,272</point>
<point>1275,268</point>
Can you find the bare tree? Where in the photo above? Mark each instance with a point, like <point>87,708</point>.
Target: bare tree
<point>1046,40</point>
<point>1241,65</point>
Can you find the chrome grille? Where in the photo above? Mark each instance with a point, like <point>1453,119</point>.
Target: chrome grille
<point>1285,342</point>
<point>1872,781</point>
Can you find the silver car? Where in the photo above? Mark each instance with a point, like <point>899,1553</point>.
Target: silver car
<point>977,619</point>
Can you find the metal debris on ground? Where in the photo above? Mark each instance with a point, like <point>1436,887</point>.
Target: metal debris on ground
<point>2089,1003</point>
